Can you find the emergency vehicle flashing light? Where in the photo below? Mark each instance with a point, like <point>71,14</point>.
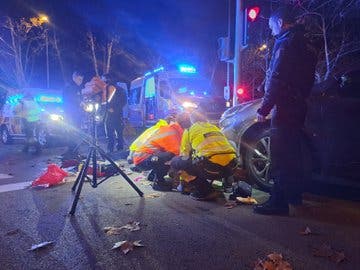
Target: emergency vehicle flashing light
<point>253,13</point>
<point>187,69</point>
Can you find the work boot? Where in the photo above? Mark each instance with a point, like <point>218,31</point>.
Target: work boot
<point>270,208</point>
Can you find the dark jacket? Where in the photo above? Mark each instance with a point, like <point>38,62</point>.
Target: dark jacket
<point>116,104</point>
<point>71,103</point>
<point>290,78</point>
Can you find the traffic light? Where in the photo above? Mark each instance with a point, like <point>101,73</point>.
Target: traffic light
<point>253,13</point>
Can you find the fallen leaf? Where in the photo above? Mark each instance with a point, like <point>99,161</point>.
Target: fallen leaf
<point>153,195</point>
<point>127,246</point>
<point>41,245</point>
<point>12,232</point>
<point>306,231</point>
<point>112,230</point>
<point>230,205</point>
<point>337,256</point>
<point>145,183</point>
<point>132,226</point>
<point>248,200</point>
<point>275,257</point>
<point>324,250</point>
<point>128,204</point>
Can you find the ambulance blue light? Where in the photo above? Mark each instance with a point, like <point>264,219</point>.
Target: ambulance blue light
<point>14,100</point>
<point>147,73</point>
<point>48,99</point>
<point>205,93</point>
<point>159,69</point>
<point>192,93</point>
<point>186,69</point>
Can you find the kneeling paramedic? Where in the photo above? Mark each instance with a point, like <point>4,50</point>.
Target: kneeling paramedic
<point>159,149</point>
<point>205,154</point>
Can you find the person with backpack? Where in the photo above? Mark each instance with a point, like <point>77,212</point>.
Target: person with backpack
<point>288,83</point>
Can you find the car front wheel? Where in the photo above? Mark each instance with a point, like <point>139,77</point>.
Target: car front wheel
<point>42,137</point>
<point>258,161</point>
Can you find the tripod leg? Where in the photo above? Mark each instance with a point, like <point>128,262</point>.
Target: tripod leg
<point>82,171</point>
<point>104,155</point>
<point>81,182</point>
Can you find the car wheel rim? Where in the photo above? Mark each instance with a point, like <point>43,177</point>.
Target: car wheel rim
<point>260,161</point>
<point>42,137</point>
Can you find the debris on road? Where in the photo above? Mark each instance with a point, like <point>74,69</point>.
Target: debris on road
<point>248,200</point>
<point>53,176</point>
<point>153,195</point>
<point>274,261</point>
<point>127,246</point>
<point>132,226</point>
<point>41,245</point>
<point>306,231</point>
<point>12,232</point>
<point>230,205</point>
<point>327,251</point>
<point>139,178</point>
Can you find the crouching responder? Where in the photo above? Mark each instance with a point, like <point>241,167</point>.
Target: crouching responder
<point>159,149</point>
<point>30,113</point>
<point>205,154</point>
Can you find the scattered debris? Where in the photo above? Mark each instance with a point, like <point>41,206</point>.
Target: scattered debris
<point>41,245</point>
<point>248,200</point>
<point>153,195</point>
<point>132,226</point>
<point>145,183</point>
<point>230,205</point>
<point>12,232</point>
<point>306,231</point>
<point>327,251</point>
<point>127,204</point>
<point>53,176</point>
<point>139,178</point>
<point>273,261</point>
<point>127,246</point>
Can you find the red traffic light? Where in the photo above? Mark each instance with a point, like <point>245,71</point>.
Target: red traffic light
<point>253,13</point>
<point>240,91</point>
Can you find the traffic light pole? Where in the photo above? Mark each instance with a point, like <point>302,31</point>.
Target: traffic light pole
<point>238,46</point>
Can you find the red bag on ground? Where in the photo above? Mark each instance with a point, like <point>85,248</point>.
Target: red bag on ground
<point>53,176</point>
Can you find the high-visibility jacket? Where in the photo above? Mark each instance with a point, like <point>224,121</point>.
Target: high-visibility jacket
<point>203,139</point>
<point>139,141</point>
<point>165,139</point>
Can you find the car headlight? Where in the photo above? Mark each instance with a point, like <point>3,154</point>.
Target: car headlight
<point>56,117</point>
<point>189,105</point>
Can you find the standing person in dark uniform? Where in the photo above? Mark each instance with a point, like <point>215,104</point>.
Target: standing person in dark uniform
<point>116,99</point>
<point>289,81</point>
<point>72,109</point>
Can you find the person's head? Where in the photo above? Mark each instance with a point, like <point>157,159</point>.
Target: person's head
<point>198,116</point>
<point>281,19</point>
<point>183,119</point>
<point>77,77</point>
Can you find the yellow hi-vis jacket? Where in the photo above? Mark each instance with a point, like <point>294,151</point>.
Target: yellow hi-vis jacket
<point>203,139</point>
<point>139,141</point>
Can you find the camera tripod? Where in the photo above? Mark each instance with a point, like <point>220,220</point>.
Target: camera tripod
<point>94,150</point>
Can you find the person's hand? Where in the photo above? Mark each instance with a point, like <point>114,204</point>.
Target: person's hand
<point>261,118</point>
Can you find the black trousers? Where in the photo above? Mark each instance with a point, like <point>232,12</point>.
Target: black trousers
<point>288,169</point>
<point>31,129</point>
<point>156,162</point>
<point>114,132</point>
<point>204,170</point>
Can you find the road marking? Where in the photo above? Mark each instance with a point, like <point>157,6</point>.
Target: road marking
<point>5,176</point>
<point>12,187</point>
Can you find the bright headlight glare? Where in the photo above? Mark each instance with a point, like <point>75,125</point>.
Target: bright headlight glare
<point>89,107</point>
<point>56,117</point>
<point>188,105</point>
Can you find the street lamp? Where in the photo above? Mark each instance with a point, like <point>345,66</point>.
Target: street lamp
<point>43,18</point>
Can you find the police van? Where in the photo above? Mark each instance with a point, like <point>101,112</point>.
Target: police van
<point>49,131</point>
<point>162,92</point>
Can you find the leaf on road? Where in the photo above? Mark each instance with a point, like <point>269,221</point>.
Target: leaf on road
<point>127,246</point>
<point>230,205</point>
<point>145,183</point>
<point>273,261</point>
<point>127,204</point>
<point>306,231</point>
<point>324,250</point>
<point>41,245</point>
<point>153,195</point>
<point>12,232</point>
<point>248,200</point>
<point>112,230</point>
<point>132,226</point>
<point>337,256</point>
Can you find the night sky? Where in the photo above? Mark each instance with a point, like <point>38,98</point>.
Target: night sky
<point>150,32</point>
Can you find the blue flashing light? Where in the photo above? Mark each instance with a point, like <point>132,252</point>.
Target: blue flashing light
<point>182,90</point>
<point>147,73</point>
<point>192,93</point>
<point>48,99</point>
<point>187,69</point>
<point>158,69</point>
<point>205,93</point>
<point>14,99</point>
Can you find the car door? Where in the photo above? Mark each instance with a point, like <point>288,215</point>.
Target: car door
<point>135,106</point>
<point>340,122</point>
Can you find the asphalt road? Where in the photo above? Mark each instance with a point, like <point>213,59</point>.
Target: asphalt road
<point>178,233</point>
